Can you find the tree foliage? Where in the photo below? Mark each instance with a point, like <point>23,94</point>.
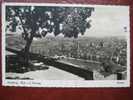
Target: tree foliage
<point>37,21</point>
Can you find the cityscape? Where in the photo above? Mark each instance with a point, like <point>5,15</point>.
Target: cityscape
<point>87,48</point>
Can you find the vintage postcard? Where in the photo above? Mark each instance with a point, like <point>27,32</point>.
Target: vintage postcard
<point>65,45</point>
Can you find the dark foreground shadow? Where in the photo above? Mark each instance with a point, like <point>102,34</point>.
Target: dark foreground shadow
<point>15,64</point>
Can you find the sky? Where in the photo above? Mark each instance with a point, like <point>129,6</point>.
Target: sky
<point>109,21</point>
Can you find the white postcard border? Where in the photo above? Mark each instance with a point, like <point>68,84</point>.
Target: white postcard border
<point>62,83</point>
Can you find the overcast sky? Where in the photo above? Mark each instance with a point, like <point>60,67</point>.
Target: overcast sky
<point>109,21</point>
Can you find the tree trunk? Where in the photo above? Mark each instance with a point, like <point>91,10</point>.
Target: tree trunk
<point>26,52</point>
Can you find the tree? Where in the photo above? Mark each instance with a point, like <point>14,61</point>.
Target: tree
<point>38,21</point>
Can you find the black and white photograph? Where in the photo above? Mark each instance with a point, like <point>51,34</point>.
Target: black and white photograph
<point>65,45</point>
